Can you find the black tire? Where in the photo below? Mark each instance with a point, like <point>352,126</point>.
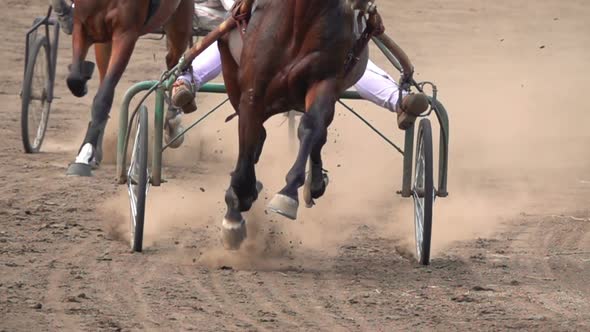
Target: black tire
<point>137,180</point>
<point>423,192</point>
<point>35,106</point>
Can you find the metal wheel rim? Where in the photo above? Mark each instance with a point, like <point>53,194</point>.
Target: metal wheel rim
<point>133,182</point>
<point>418,195</point>
<point>38,105</point>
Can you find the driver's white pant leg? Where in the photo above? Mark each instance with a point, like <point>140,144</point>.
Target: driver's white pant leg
<point>206,67</point>
<point>378,87</point>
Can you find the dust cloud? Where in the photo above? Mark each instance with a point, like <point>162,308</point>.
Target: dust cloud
<point>518,141</point>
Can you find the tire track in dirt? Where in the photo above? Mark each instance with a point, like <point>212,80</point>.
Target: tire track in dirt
<point>129,298</point>
<point>559,243</point>
<point>312,314</point>
<point>332,285</point>
<point>259,286</point>
<point>58,279</point>
<point>259,305</point>
<point>209,286</point>
<point>514,282</point>
<point>255,313</point>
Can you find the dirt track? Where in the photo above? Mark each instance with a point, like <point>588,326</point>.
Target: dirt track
<point>512,243</point>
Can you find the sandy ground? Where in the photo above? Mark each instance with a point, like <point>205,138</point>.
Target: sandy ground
<point>511,243</point>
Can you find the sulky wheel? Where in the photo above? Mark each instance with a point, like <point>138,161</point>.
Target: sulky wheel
<point>137,179</point>
<point>423,192</point>
<point>35,105</point>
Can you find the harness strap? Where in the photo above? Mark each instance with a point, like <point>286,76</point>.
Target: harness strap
<point>374,28</point>
<point>241,12</point>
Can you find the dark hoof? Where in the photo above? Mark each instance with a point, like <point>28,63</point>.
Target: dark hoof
<point>284,205</point>
<point>77,86</point>
<point>77,79</point>
<point>233,234</point>
<point>314,189</point>
<point>79,169</point>
<point>318,188</point>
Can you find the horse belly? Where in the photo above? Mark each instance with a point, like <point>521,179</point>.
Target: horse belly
<point>162,15</point>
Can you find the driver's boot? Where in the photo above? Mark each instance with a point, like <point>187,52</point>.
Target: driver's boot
<point>410,108</point>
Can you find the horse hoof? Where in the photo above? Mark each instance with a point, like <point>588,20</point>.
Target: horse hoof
<point>78,77</point>
<point>284,205</point>
<point>77,86</point>
<point>309,192</point>
<point>318,191</point>
<point>233,234</point>
<point>79,169</point>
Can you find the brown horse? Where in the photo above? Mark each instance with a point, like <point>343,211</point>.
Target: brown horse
<point>114,26</point>
<point>297,54</point>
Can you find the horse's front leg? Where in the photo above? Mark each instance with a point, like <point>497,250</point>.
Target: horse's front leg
<point>122,48</point>
<point>244,188</point>
<point>80,69</point>
<point>312,132</point>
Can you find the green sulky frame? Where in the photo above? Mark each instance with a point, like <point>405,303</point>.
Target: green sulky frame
<point>161,90</point>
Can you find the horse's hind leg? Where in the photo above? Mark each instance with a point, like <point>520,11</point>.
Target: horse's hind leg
<point>319,179</point>
<point>122,49</point>
<point>103,56</point>
<point>102,53</point>
<point>312,132</point>
<point>178,35</point>
<point>179,32</point>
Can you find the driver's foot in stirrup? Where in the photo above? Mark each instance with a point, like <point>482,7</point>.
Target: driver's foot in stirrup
<point>173,127</point>
<point>411,107</point>
<point>65,18</point>
<point>183,96</point>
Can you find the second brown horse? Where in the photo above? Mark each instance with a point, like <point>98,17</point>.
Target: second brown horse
<point>114,26</point>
